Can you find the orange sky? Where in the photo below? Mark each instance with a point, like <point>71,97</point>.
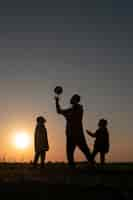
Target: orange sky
<point>22,101</point>
<point>120,149</point>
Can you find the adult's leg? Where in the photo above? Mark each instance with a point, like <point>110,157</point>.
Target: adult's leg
<point>102,157</point>
<point>43,155</point>
<point>70,151</point>
<point>94,153</point>
<point>84,148</point>
<point>36,158</point>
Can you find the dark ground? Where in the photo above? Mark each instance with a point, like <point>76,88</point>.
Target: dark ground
<point>57,181</point>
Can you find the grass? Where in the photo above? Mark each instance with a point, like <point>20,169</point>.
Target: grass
<point>57,178</point>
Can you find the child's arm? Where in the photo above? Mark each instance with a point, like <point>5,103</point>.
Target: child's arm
<point>91,134</point>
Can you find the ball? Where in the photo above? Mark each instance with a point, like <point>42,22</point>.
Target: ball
<point>58,90</point>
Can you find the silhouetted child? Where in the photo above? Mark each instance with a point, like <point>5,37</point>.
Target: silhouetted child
<point>101,144</point>
<point>40,141</point>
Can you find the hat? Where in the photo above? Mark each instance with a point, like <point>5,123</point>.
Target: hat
<point>41,119</point>
<point>103,122</point>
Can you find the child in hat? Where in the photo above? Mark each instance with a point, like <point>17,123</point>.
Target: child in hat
<point>40,141</point>
<point>101,144</point>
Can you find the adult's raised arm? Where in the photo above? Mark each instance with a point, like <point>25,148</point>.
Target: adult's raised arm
<point>65,112</point>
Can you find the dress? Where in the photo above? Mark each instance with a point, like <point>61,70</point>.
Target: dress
<point>41,139</point>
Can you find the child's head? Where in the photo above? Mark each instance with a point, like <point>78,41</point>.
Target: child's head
<point>40,120</point>
<point>102,123</point>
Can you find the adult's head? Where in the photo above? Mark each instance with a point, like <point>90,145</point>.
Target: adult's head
<point>75,99</point>
<point>102,123</point>
<point>41,120</point>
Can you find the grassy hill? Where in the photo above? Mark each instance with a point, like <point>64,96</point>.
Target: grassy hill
<point>58,180</point>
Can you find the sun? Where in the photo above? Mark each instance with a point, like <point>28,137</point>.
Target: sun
<point>22,140</point>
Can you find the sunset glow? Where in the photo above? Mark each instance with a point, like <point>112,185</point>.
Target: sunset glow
<point>58,49</point>
<point>22,140</point>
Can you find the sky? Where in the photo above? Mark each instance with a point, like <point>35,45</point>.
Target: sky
<point>84,46</point>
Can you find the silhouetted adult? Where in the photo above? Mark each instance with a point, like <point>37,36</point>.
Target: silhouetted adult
<point>74,128</point>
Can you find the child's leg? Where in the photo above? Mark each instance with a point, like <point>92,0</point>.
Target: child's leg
<point>43,155</point>
<point>36,158</point>
<point>102,157</point>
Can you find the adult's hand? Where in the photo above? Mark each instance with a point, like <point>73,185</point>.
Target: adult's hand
<point>57,99</point>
